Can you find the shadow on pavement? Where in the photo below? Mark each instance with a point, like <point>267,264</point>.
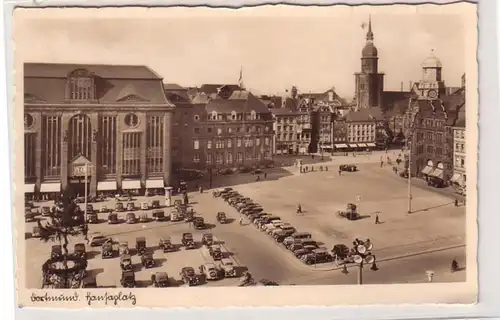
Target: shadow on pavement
<point>92,254</point>
<point>160,261</point>
<point>434,207</point>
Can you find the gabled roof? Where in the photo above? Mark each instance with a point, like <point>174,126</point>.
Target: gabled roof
<point>105,71</point>
<point>173,87</point>
<point>129,93</point>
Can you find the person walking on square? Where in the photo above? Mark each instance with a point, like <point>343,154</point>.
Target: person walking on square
<point>299,209</point>
<point>201,189</point>
<point>265,175</point>
<point>456,202</point>
<point>377,220</point>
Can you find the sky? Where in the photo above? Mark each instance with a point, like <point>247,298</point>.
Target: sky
<point>313,48</point>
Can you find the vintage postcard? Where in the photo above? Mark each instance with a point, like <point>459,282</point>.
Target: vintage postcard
<point>264,156</point>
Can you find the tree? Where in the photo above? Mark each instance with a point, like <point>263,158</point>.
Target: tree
<point>67,220</point>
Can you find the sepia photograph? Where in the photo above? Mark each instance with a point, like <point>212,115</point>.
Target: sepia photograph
<point>303,148</point>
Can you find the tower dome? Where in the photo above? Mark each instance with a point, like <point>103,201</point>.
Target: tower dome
<point>432,61</point>
<point>369,51</point>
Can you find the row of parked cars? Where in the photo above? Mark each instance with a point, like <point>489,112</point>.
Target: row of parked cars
<point>300,244</point>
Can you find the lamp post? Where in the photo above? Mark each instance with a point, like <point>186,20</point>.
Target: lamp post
<point>361,254</point>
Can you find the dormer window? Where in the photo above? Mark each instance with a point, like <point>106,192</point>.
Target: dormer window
<point>253,115</point>
<point>81,85</point>
<point>214,115</point>
<point>233,115</point>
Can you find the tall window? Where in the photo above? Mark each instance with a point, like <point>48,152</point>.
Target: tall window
<point>132,153</point>
<point>79,137</point>
<point>229,158</point>
<point>81,85</point>
<point>219,158</point>
<point>107,144</point>
<point>51,146</point>
<point>29,155</point>
<point>155,144</point>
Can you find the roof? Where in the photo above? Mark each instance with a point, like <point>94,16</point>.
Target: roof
<point>200,98</point>
<point>369,50</point>
<point>173,87</point>
<point>432,62</point>
<point>176,96</point>
<point>461,120</point>
<point>368,114</point>
<point>395,102</point>
<point>47,83</point>
<point>213,88</point>
<point>284,111</point>
<point>237,104</point>
<point>105,71</point>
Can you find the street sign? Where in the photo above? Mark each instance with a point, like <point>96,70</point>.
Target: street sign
<point>79,170</point>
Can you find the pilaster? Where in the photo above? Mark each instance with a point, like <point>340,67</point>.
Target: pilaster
<point>37,126</point>
<point>143,156</point>
<point>64,149</point>
<point>119,148</point>
<point>94,122</point>
<point>167,147</point>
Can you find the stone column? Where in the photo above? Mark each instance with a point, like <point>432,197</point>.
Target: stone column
<point>143,126</point>
<point>119,149</point>
<point>37,126</point>
<point>167,148</point>
<point>94,122</point>
<point>64,150</point>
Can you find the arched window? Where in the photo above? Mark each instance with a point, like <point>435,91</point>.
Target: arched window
<point>196,117</point>
<point>214,115</point>
<point>233,115</point>
<point>253,115</point>
<point>81,85</point>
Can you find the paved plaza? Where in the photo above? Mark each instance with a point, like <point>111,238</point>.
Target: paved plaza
<point>406,245</point>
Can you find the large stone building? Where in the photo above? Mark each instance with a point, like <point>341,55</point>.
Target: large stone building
<point>218,127</point>
<point>431,115</point>
<point>113,120</point>
<point>459,177</point>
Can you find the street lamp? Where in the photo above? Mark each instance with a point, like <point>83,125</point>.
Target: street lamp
<point>361,254</point>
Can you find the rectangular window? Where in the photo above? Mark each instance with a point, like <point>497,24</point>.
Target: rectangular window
<point>131,153</point>
<point>229,158</point>
<point>430,149</point>
<point>229,143</point>
<point>209,130</point>
<point>196,158</point>
<point>248,156</point>
<point>238,143</point>
<point>51,144</point>
<point>266,141</point>
<point>219,144</point>
<point>257,142</point>
<point>196,144</point>
<point>154,138</point>
<point>29,155</point>
<point>108,144</point>
<point>196,130</point>
<point>209,158</point>
<point>209,144</point>
<point>239,157</point>
<point>218,158</point>
<point>267,155</point>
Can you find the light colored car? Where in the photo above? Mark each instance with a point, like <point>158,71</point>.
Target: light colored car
<point>98,239</point>
<point>268,227</point>
<point>210,271</point>
<point>227,266</point>
<point>288,229</point>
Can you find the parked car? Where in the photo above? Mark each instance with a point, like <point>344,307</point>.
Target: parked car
<point>348,167</point>
<point>97,239</point>
<point>147,260</point>
<point>130,206</point>
<point>56,251</point>
<point>35,233</point>
<point>92,218</point>
<point>221,217</point>
<point>317,256</point>
<point>80,251</point>
<point>227,266</point>
<point>207,239</point>
<point>199,223</point>
<point>166,245</point>
<point>126,262</point>
<point>119,207</point>
<point>140,245</point>
<point>210,271</point>
<point>128,279</point>
<point>108,250</point>
<point>160,280</point>
<point>155,204</point>
<point>188,240</point>
<point>215,252</point>
<point>113,218</point>
<point>159,215</point>
<point>189,276</point>
<point>144,206</point>
<point>123,248</point>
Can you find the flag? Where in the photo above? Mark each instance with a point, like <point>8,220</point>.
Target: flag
<point>363,25</point>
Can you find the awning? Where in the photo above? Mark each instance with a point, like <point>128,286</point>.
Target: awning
<point>362,145</point>
<point>371,144</point>
<point>29,188</point>
<point>427,170</point>
<point>50,187</point>
<point>131,184</point>
<point>352,145</point>
<point>155,184</point>
<point>341,145</point>
<point>455,177</point>
<point>438,173</point>
<point>326,146</point>
<point>106,186</point>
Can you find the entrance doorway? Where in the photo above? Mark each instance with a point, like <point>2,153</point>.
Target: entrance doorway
<point>78,187</point>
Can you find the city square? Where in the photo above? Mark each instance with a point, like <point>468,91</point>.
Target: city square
<point>406,246</point>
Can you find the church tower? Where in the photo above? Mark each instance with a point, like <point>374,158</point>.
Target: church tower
<point>369,82</point>
<point>431,86</point>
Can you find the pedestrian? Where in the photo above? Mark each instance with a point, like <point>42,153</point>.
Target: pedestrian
<point>258,178</point>
<point>377,220</point>
<point>456,202</point>
<point>265,175</point>
<point>454,265</point>
<point>241,221</point>
<point>299,209</point>
<point>201,189</point>
<point>326,168</point>
<point>340,172</point>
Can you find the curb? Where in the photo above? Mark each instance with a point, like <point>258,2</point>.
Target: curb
<point>419,253</point>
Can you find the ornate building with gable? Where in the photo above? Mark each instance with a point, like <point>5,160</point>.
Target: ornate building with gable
<point>109,123</point>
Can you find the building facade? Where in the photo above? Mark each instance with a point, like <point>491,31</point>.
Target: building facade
<point>363,128</point>
<point>218,127</point>
<point>459,177</point>
<point>431,115</point>
<point>104,126</point>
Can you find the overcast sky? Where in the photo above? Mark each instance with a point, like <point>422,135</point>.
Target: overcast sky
<point>312,48</point>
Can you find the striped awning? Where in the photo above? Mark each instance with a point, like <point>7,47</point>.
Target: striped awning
<point>326,146</point>
<point>371,144</point>
<point>363,145</point>
<point>131,184</point>
<point>352,145</point>
<point>455,177</point>
<point>50,187</point>
<point>155,184</point>
<point>341,145</point>
<point>427,170</point>
<point>106,186</point>
<point>29,188</point>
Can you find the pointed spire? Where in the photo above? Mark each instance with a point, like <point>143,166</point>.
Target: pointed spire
<point>240,80</point>
<point>369,34</point>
